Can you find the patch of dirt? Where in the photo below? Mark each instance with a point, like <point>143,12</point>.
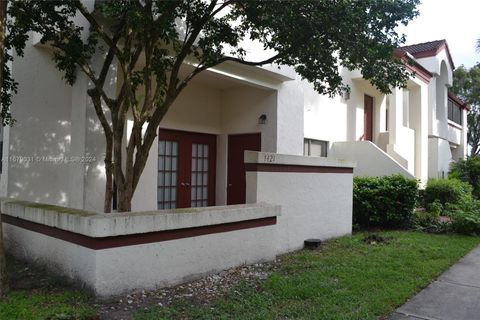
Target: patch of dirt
<point>201,292</point>
<point>374,239</point>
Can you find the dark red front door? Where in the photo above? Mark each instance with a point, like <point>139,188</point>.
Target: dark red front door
<point>186,169</point>
<point>236,183</point>
<point>368,118</point>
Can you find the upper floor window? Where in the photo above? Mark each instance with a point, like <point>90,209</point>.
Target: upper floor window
<point>315,148</point>
<point>454,112</point>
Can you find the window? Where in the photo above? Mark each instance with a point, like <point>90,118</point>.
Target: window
<point>199,193</point>
<point>315,148</point>
<point>167,174</point>
<point>454,112</point>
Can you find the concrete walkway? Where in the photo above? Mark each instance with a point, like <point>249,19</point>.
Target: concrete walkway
<point>455,295</point>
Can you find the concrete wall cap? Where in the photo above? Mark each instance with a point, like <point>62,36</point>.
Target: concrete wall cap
<point>287,159</point>
<point>99,225</point>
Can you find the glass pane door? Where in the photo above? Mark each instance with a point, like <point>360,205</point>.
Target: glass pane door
<point>199,192</point>
<point>186,169</point>
<point>167,174</point>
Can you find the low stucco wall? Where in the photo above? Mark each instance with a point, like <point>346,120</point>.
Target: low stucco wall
<point>370,159</point>
<point>114,253</point>
<point>315,195</point>
<point>111,254</point>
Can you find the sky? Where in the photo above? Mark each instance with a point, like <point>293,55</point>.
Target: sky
<point>457,21</point>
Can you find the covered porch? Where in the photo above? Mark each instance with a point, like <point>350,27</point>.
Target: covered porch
<point>197,160</point>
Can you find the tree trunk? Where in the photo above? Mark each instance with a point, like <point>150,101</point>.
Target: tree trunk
<point>107,207</point>
<point>127,183</point>
<point>3,29</point>
<point>124,201</point>
<point>97,103</point>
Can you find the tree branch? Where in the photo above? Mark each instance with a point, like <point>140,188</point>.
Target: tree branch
<point>90,74</point>
<point>222,6</point>
<point>97,104</point>
<point>251,63</point>
<point>97,27</point>
<point>109,58</point>
<point>186,47</point>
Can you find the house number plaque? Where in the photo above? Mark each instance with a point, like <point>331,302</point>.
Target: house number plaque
<point>269,158</point>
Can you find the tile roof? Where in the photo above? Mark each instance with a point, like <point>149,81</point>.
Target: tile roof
<point>422,47</point>
<point>428,49</point>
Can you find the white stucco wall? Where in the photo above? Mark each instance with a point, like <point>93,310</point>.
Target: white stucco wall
<point>290,131</point>
<point>40,139</point>
<point>325,118</point>
<point>47,147</point>
<point>241,108</point>
<point>65,258</point>
<point>440,157</point>
<point>196,109</point>
<point>314,205</point>
<point>150,266</point>
<point>370,159</point>
<point>433,64</point>
<point>116,270</point>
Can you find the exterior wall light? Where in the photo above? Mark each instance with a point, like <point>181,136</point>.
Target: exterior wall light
<point>262,119</point>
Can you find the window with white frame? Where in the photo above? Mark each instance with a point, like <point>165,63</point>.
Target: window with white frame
<point>315,148</point>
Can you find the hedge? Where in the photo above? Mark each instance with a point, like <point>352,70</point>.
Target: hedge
<point>384,201</point>
<point>447,191</point>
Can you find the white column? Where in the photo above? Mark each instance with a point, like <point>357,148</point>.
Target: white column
<point>419,119</point>
<point>76,183</point>
<point>464,142</point>
<point>395,115</point>
<point>290,118</point>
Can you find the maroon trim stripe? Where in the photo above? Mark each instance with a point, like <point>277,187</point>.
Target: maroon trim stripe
<point>265,167</point>
<point>134,239</point>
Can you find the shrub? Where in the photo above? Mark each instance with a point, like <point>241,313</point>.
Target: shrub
<point>445,192</point>
<point>384,202</point>
<point>429,221</point>
<point>466,217</point>
<point>436,208</point>
<point>453,198</point>
<point>467,170</point>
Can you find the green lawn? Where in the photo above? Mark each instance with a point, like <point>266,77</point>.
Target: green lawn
<point>45,305</point>
<point>346,279</point>
<point>36,294</point>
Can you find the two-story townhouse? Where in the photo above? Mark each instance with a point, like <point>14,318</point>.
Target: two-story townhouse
<point>416,131</point>
<point>198,158</point>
